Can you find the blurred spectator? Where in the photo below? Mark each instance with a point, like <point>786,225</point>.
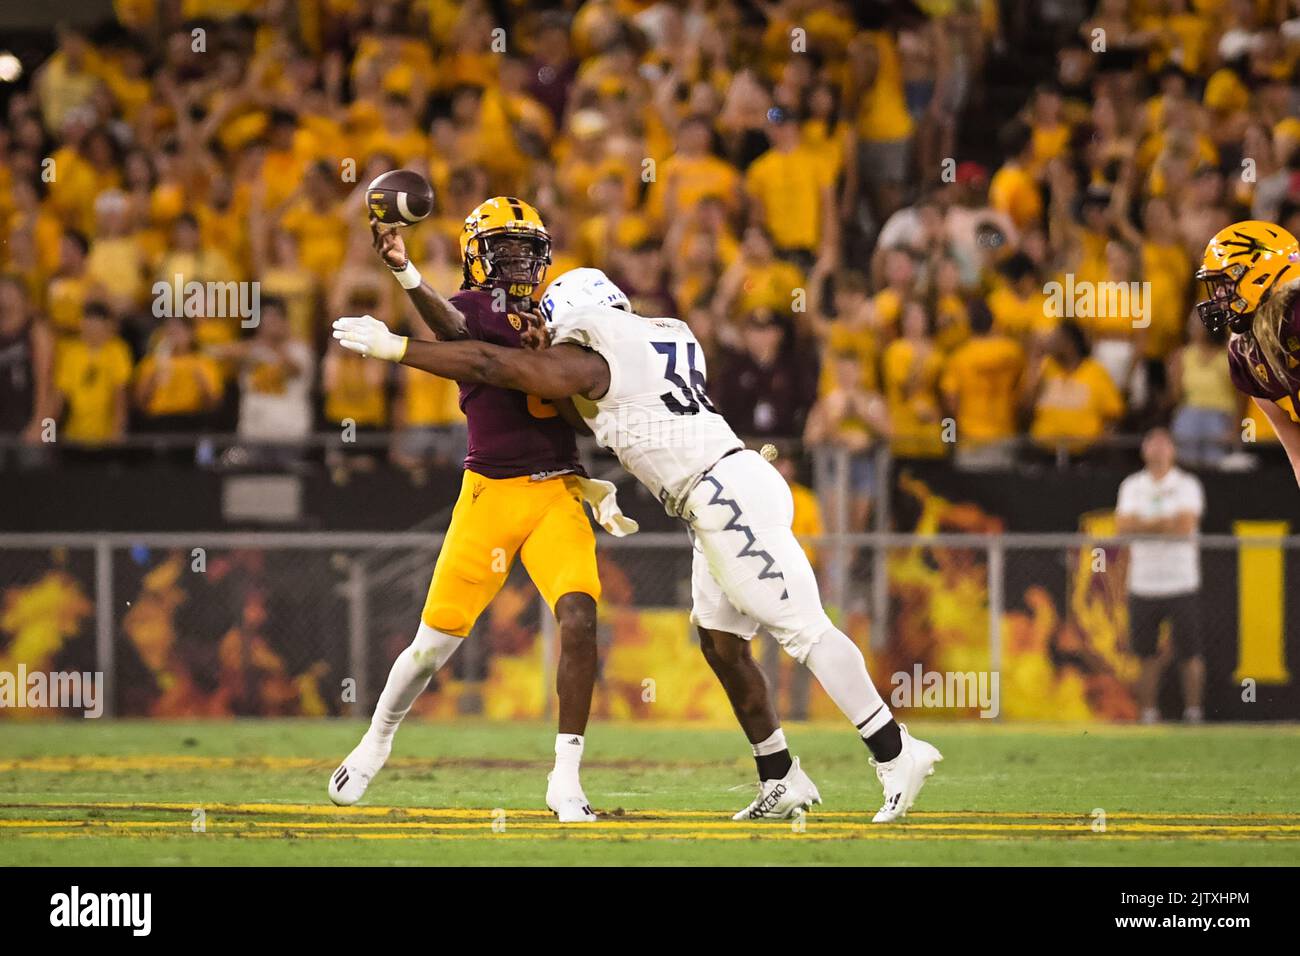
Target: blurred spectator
<point>189,257</point>
<point>843,428</point>
<point>26,369</point>
<point>283,277</point>
<point>691,173</point>
<point>176,386</point>
<point>843,431</point>
<point>116,262</point>
<point>791,194</point>
<point>757,279</point>
<point>930,86</point>
<point>976,231</point>
<point>92,376</point>
<point>552,68</point>
<point>1018,304</point>
<point>275,385</point>
<point>1013,190</point>
<point>1164,577</point>
<point>885,131</point>
<point>356,399</point>
<point>1209,409</point>
<point>186,261</point>
<point>916,229</point>
<point>765,388</point>
<point>65,82</point>
<point>354,391</point>
<point>980,387</point>
<point>946,304</point>
<point>1071,395</point>
<point>694,152</point>
<point>315,217</point>
<point>900,278</point>
<point>910,371</point>
<point>70,286</point>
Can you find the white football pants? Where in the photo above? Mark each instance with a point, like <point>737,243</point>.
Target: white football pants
<point>748,569</point>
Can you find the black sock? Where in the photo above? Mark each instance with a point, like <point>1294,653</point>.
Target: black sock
<point>773,766</point>
<point>886,743</point>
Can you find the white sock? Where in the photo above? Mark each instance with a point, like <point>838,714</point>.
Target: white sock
<point>568,757</point>
<point>840,668</point>
<point>409,677</point>
<point>772,745</point>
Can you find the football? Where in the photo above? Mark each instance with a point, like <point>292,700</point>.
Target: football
<point>400,197</point>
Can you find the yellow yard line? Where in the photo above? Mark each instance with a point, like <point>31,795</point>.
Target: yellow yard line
<point>558,834</point>
<point>727,826</point>
<point>812,823</point>
<point>614,829</point>
<point>310,809</point>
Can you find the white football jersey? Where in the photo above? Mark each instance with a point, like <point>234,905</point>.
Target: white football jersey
<point>656,416</point>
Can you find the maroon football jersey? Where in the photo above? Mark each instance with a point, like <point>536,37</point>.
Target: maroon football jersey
<point>510,433</point>
<point>1250,372</point>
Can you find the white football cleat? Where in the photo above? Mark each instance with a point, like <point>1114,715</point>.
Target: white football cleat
<point>568,803</point>
<point>349,782</point>
<point>904,776</point>
<point>782,799</point>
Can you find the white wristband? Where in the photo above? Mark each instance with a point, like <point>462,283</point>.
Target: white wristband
<point>409,276</point>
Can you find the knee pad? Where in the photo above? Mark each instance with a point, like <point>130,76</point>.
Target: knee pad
<point>798,643</point>
<point>448,619</point>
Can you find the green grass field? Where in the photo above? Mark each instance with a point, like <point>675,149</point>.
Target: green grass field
<point>122,793</point>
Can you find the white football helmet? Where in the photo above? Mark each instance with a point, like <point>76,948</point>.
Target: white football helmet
<point>581,288</point>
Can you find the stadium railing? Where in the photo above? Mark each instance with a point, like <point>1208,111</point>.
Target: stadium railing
<point>208,446</point>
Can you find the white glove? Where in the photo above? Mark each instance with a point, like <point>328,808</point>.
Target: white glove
<point>602,497</point>
<point>366,335</point>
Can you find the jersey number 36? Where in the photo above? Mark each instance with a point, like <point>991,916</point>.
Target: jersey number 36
<point>691,388</point>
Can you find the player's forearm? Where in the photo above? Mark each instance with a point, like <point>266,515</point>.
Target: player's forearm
<point>472,362</point>
<point>557,372</point>
<point>443,319</point>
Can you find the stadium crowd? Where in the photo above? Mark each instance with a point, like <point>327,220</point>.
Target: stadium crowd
<point>816,186</point>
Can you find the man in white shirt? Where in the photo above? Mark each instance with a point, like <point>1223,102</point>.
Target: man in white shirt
<point>1164,577</point>
<point>275,384</point>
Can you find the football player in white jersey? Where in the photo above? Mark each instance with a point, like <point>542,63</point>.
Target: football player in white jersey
<point>640,385</point>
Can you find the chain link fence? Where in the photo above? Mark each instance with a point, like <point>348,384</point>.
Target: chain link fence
<point>276,624</point>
